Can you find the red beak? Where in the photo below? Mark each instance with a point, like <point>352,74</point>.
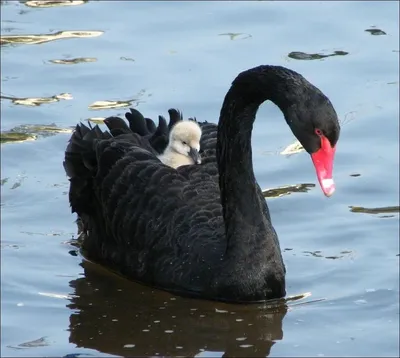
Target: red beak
<point>323,163</point>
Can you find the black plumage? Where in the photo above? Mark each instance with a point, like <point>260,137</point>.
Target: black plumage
<point>145,127</point>
<point>200,230</point>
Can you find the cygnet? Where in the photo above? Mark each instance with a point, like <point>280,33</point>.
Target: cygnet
<point>184,145</point>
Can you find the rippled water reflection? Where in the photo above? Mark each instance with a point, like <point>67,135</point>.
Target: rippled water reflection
<point>158,323</point>
<point>65,61</point>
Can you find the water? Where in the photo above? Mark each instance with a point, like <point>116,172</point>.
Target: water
<point>343,250</point>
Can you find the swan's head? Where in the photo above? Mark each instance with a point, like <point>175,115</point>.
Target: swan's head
<point>316,126</point>
<point>185,139</point>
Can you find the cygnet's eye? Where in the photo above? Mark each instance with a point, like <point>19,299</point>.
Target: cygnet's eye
<point>184,143</point>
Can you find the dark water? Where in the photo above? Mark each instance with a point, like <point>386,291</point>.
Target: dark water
<point>343,250</point>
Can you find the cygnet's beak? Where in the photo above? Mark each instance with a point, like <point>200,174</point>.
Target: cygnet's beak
<point>194,154</point>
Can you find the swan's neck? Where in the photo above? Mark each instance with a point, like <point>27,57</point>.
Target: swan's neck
<point>246,223</point>
<point>174,159</point>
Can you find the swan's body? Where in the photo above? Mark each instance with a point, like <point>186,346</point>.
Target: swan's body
<point>200,230</point>
<point>183,146</point>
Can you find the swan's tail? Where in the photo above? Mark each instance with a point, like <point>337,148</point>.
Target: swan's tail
<point>80,164</point>
<point>89,156</point>
<point>146,126</point>
<point>138,124</point>
<point>158,136</point>
<point>117,126</point>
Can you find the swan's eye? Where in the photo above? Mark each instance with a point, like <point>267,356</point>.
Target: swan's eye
<point>184,143</point>
<point>318,132</point>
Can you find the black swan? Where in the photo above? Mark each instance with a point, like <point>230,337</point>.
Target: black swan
<point>201,230</point>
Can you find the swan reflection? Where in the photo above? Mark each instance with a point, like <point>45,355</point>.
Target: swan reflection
<point>116,316</point>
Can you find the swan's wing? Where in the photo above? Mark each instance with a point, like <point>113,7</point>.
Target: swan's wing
<point>145,127</point>
<point>159,139</point>
<point>151,126</point>
<point>132,180</point>
<point>137,123</point>
<point>147,213</point>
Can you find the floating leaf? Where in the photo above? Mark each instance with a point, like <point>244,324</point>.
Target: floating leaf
<point>97,120</point>
<point>37,101</point>
<point>381,210</point>
<point>108,104</point>
<point>31,132</point>
<point>73,61</point>
<point>376,32</point>
<point>287,190</point>
<point>54,3</point>
<point>300,296</point>
<point>297,55</point>
<point>39,39</point>
<point>15,137</point>
<point>293,148</point>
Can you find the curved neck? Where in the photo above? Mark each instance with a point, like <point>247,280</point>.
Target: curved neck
<point>247,222</point>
